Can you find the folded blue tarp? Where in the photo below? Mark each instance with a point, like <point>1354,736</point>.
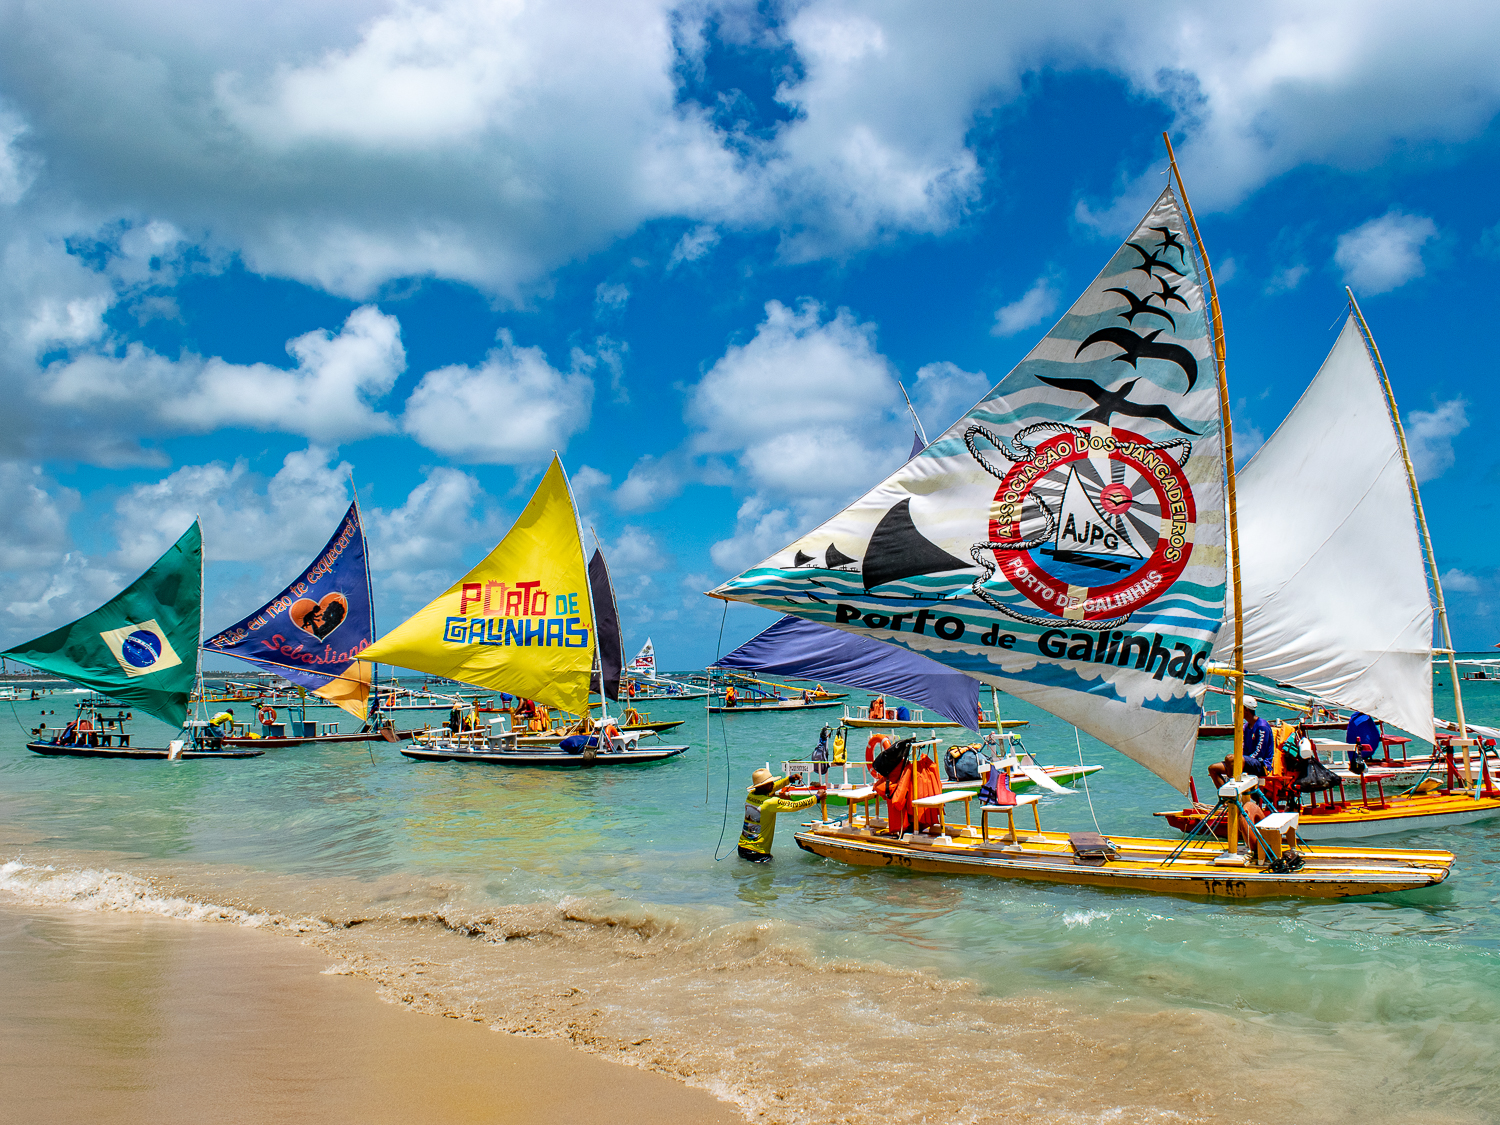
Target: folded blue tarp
<point>809,651</point>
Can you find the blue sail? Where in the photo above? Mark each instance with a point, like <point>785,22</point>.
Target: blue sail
<point>315,629</point>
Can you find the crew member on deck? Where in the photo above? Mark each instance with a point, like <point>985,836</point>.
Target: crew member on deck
<point>877,707</point>
<point>1259,746</point>
<point>1363,736</point>
<point>730,698</point>
<point>761,806</point>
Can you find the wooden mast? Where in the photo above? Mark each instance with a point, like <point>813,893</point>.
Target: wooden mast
<point>1227,433</point>
<point>1416,500</point>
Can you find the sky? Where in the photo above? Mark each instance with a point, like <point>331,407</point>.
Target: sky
<point>254,256</point>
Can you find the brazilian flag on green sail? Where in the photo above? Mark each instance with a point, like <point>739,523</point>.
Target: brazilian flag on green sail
<point>141,646</point>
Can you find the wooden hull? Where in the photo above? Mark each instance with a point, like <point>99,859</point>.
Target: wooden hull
<point>784,705</point>
<point>554,759</point>
<point>133,753</point>
<point>1358,821</point>
<point>1047,857</point>
<point>323,739</point>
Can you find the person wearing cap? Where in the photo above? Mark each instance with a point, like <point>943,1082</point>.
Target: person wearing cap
<point>1259,745</point>
<point>761,806</point>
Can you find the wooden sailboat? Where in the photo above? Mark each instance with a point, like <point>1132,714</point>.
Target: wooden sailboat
<point>1119,653</point>
<point>1371,650</point>
<point>130,650</point>
<point>526,621</point>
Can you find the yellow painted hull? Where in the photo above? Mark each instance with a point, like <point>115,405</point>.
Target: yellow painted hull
<point>1048,857</point>
<point>1357,820</point>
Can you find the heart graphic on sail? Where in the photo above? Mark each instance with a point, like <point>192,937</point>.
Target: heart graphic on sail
<point>322,617</point>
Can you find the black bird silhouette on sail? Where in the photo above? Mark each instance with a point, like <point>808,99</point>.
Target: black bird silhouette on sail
<point>898,550</point>
<point>1169,240</point>
<point>1138,347</point>
<point>1168,293</point>
<point>1115,402</point>
<point>1140,306</point>
<point>1150,263</point>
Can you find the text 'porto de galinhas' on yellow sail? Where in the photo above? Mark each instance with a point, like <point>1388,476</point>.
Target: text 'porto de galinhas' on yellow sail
<point>519,622</point>
<point>1064,539</point>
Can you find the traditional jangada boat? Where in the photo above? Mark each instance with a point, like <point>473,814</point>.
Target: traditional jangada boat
<point>751,694</point>
<point>129,651</point>
<point>532,621</point>
<point>1341,587</point>
<point>312,634</point>
<point>1066,541</point>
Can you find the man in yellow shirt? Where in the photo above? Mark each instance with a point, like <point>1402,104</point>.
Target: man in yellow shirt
<point>761,806</point>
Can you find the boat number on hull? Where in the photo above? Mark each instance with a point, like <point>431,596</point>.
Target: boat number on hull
<point>898,861</point>
<point>1234,888</point>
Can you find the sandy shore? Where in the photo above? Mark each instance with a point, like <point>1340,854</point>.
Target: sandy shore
<point>130,1018</point>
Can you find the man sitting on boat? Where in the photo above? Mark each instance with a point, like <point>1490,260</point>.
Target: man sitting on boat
<point>1364,739</point>
<point>1259,747</point>
<point>761,806</point>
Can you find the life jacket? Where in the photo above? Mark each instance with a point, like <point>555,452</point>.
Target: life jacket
<point>840,754</point>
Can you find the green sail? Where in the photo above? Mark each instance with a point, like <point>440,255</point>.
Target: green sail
<point>141,646</point>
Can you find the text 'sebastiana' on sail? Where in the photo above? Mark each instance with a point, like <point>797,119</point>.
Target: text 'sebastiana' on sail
<point>313,632</point>
<point>521,621</point>
<point>1064,540</point>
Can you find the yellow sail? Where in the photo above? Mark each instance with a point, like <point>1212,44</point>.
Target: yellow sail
<point>350,689</point>
<point>519,622</point>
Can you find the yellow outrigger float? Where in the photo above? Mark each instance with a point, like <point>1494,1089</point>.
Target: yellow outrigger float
<point>1090,582</point>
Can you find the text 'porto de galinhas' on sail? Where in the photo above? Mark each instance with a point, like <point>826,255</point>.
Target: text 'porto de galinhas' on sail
<point>1064,540</point>
<point>521,621</point>
<point>313,632</point>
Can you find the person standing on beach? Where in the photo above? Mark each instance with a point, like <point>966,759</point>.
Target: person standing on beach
<point>761,806</point>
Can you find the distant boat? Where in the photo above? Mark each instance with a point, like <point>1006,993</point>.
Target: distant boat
<point>131,650</point>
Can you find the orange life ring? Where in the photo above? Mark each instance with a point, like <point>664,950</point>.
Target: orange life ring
<point>267,715</point>
<point>611,731</point>
<point>875,740</point>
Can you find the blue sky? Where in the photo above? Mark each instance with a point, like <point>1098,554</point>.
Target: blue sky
<point>249,256</point>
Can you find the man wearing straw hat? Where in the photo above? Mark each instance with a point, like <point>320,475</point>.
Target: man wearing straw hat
<point>761,806</point>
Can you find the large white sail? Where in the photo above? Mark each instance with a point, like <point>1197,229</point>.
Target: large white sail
<point>975,553</point>
<point>1335,589</point>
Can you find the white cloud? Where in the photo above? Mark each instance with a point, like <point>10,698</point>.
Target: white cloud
<point>326,397</point>
<point>693,245</point>
<point>512,408</point>
<point>246,518</point>
<point>1285,280</point>
<point>430,529</point>
<point>610,296</point>
<point>17,170</point>
<point>1458,581</point>
<point>651,482</point>
<point>760,531</point>
<point>34,514</point>
<point>1032,307</point>
<point>1384,253</point>
<point>1430,434</point>
<point>943,392</point>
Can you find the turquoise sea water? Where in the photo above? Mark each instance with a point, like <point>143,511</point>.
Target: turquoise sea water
<point>1415,982</point>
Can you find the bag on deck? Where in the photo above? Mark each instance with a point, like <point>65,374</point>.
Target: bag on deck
<point>961,763</point>
<point>892,756</point>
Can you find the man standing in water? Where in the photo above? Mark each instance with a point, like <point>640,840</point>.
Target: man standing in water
<point>761,807</point>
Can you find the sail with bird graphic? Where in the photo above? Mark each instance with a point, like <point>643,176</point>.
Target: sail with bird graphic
<point>1065,539</point>
<point>313,632</point>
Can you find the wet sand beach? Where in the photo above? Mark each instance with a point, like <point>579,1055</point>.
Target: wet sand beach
<point>132,1018</point>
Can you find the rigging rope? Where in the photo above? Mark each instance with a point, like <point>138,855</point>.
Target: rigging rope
<point>724,734</point>
<point>1078,741</point>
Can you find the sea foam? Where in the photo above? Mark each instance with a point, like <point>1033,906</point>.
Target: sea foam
<point>91,889</point>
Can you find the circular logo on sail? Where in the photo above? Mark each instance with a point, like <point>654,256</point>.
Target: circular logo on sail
<point>141,649</point>
<point>1106,519</point>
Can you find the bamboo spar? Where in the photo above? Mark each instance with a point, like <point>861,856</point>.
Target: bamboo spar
<point>1416,500</point>
<point>1227,428</point>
